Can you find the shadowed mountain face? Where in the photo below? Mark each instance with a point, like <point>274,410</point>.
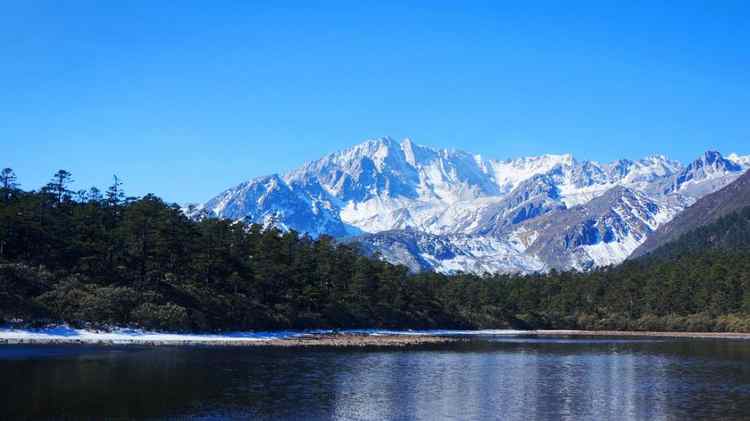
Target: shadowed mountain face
<point>452,211</point>
<point>706,210</point>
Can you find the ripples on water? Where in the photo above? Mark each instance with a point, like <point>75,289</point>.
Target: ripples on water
<point>493,378</point>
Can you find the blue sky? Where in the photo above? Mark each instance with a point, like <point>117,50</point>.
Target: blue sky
<point>187,98</point>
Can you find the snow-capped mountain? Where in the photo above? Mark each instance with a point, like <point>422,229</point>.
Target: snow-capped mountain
<point>601,232</point>
<point>450,210</point>
<point>708,173</point>
<point>271,201</point>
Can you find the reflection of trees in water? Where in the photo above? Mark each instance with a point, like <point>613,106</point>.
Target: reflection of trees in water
<point>510,379</point>
<point>568,379</point>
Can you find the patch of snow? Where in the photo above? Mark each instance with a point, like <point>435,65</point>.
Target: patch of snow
<point>136,336</point>
<point>574,196</point>
<point>612,253</point>
<point>124,336</point>
<point>743,160</point>
<point>510,173</point>
<point>484,255</point>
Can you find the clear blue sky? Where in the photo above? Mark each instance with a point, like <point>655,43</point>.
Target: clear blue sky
<point>184,99</point>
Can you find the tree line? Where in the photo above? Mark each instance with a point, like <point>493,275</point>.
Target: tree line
<point>100,258</point>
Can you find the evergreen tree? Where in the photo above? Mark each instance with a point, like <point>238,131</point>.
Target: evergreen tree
<point>115,195</point>
<point>59,184</point>
<point>8,184</point>
<point>8,180</point>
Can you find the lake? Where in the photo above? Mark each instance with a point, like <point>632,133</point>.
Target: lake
<point>485,378</point>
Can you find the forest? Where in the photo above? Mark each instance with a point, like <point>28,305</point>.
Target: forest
<point>100,259</point>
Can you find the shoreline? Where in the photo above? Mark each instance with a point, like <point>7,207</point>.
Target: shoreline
<point>636,333</point>
<point>344,338</point>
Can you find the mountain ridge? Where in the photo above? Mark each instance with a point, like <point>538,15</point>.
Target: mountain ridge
<point>706,210</point>
<point>459,199</point>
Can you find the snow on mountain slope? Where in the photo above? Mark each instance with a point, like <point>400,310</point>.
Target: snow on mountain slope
<point>271,201</point>
<point>384,168</point>
<point>744,161</point>
<point>602,232</point>
<point>451,253</point>
<point>508,174</point>
<point>475,207</point>
<point>706,174</point>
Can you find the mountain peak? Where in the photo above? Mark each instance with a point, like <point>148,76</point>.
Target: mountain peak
<point>711,165</point>
<point>465,200</point>
<point>658,159</point>
<point>565,157</point>
<point>711,156</point>
<point>715,159</point>
<point>376,144</point>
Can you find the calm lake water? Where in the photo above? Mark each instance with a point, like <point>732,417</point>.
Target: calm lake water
<point>492,378</point>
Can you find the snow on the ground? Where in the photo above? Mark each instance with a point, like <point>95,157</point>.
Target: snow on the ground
<point>135,336</point>
<point>124,335</point>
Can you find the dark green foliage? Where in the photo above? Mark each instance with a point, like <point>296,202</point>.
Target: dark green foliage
<point>94,259</point>
<point>162,316</point>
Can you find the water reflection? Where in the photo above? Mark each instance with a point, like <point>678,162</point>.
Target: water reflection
<point>506,378</point>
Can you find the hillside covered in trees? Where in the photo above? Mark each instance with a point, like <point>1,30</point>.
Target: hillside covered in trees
<point>103,259</point>
<point>707,210</point>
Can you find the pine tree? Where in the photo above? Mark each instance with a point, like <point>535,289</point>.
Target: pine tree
<point>95,195</point>
<point>8,183</point>
<point>58,186</point>
<point>115,195</point>
<point>8,179</point>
